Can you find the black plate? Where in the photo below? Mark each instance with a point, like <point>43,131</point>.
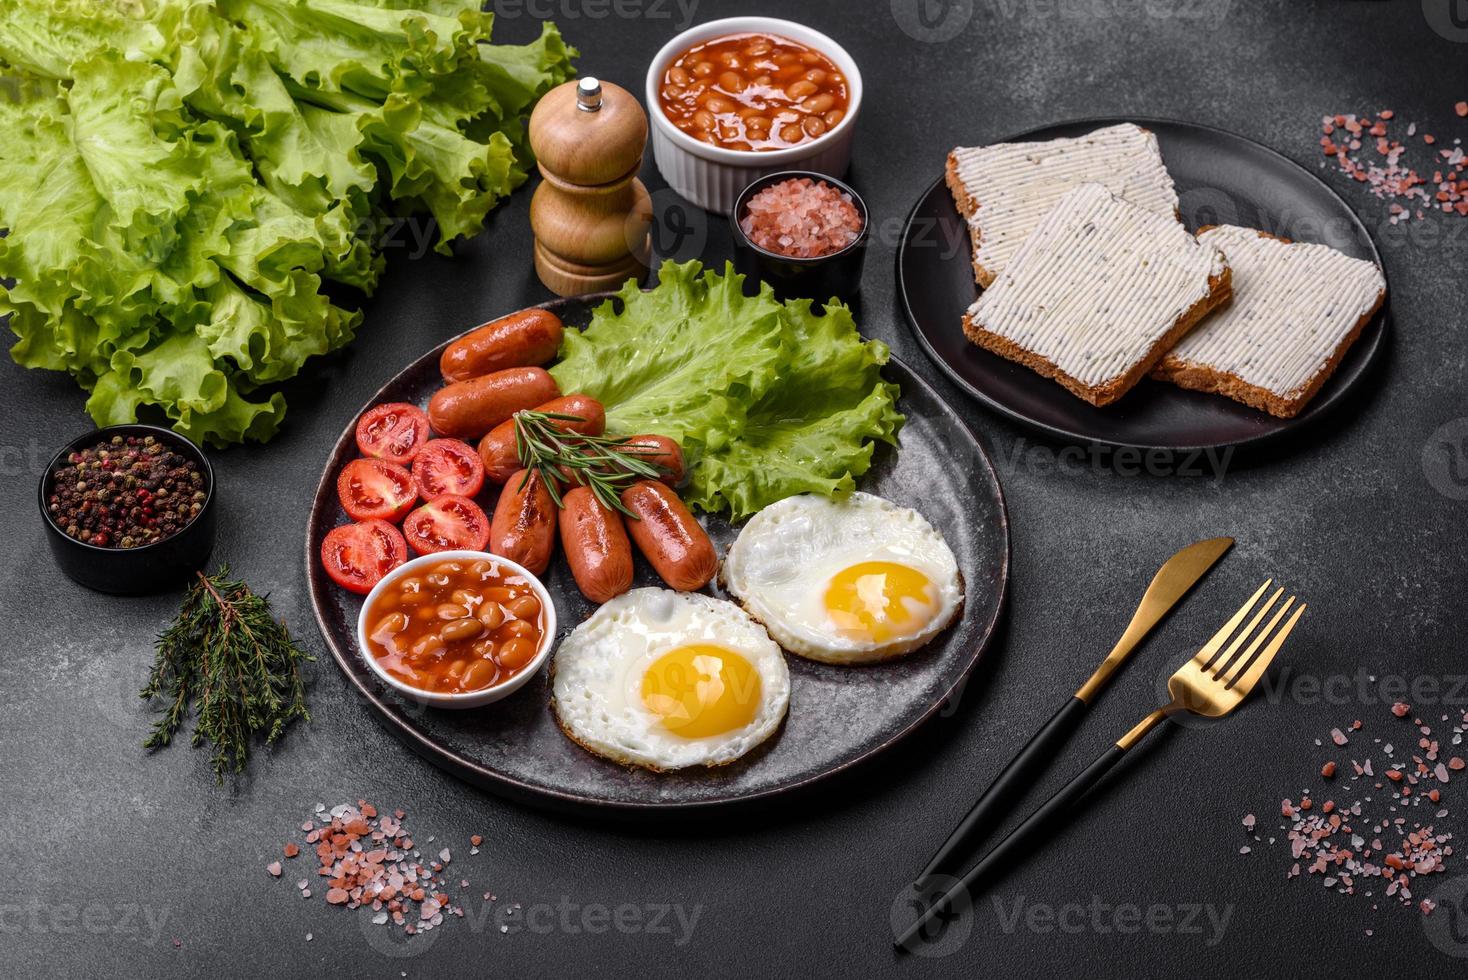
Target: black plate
<point>838,716</point>
<point>1221,178</point>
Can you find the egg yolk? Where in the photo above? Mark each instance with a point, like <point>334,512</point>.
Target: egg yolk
<point>879,600</point>
<point>701,690</point>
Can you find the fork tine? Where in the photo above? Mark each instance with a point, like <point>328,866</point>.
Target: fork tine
<point>1248,655</point>
<point>1248,674</point>
<point>1231,655</point>
<point>1205,657</point>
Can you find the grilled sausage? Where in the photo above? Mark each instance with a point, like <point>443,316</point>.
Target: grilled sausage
<point>469,409</point>
<point>660,451</point>
<point>595,541</point>
<point>522,339</point>
<point>498,448</point>
<point>666,533</point>
<point>523,528</point>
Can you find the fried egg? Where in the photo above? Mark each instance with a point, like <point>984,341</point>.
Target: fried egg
<point>844,581</point>
<point>666,679</point>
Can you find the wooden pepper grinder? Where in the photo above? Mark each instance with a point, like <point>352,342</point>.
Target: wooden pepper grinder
<point>591,216</point>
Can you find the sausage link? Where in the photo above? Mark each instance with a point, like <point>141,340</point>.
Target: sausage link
<point>523,528</point>
<point>497,449</point>
<point>666,533</point>
<point>595,541</point>
<point>469,409</point>
<point>662,452</point>
<point>522,339</point>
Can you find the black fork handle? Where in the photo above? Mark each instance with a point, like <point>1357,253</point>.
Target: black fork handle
<point>1011,850</point>
<point>1005,791</point>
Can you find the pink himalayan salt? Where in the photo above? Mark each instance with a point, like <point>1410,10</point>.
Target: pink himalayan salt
<point>801,218</point>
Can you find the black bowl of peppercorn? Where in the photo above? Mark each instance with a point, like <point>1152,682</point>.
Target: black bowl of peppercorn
<point>129,509</point>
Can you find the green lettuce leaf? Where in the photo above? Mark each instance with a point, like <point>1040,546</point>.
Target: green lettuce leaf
<point>767,399</point>
<point>315,167</point>
<point>816,429</point>
<point>335,46</point>
<point>679,360</point>
<point>180,178</point>
<point>179,376</point>
<point>45,37</point>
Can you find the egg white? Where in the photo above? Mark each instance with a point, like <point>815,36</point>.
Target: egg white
<point>784,559</point>
<point>596,685</point>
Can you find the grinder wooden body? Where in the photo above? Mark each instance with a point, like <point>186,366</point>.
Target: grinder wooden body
<point>591,216</point>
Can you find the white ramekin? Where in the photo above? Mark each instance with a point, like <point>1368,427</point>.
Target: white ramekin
<point>711,176</point>
<point>471,699</point>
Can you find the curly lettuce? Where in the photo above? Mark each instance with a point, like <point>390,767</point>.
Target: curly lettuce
<point>181,178</point>
<point>767,399</point>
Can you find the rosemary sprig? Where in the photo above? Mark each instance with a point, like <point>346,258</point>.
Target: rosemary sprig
<point>563,457</point>
<point>227,655</point>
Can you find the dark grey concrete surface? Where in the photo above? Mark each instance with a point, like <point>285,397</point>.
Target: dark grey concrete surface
<point>122,864</point>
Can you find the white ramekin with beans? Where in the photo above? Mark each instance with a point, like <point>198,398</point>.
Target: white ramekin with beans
<point>734,99</point>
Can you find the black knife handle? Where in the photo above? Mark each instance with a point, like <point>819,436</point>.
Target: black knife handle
<point>1014,848</point>
<point>1007,789</point>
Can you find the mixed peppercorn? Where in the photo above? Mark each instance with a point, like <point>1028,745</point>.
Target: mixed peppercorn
<point>126,492</point>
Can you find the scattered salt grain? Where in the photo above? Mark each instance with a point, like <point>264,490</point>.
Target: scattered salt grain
<point>1356,845</point>
<point>1386,176</point>
<point>369,861</point>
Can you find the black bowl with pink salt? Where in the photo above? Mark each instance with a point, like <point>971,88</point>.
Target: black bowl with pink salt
<point>803,233</point>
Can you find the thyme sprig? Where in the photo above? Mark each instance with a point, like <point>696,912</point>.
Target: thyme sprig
<point>564,457</point>
<point>228,657</point>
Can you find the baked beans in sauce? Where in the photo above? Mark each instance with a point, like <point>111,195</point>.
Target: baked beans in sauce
<point>754,92</point>
<point>456,627</point>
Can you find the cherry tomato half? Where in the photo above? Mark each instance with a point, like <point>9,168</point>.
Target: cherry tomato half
<point>357,556</point>
<point>393,431</point>
<point>447,523</point>
<point>448,466</point>
<point>374,489</point>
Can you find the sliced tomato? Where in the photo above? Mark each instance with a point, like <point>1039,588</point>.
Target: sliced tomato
<point>447,523</point>
<point>357,556</point>
<point>448,466</point>
<point>374,489</point>
<point>393,431</point>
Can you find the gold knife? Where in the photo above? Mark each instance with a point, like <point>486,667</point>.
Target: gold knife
<point>1173,580</point>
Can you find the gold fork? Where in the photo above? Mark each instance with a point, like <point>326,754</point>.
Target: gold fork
<point>1212,684</point>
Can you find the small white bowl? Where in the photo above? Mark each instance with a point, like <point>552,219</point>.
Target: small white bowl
<point>712,176</point>
<point>471,699</point>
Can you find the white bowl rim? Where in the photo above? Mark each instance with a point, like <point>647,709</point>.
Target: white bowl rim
<point>753,24</point>
<point>467,699</point>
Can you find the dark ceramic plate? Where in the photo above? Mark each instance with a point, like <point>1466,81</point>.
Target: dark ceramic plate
<point>1221,178</point>
<point>837,716</point>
